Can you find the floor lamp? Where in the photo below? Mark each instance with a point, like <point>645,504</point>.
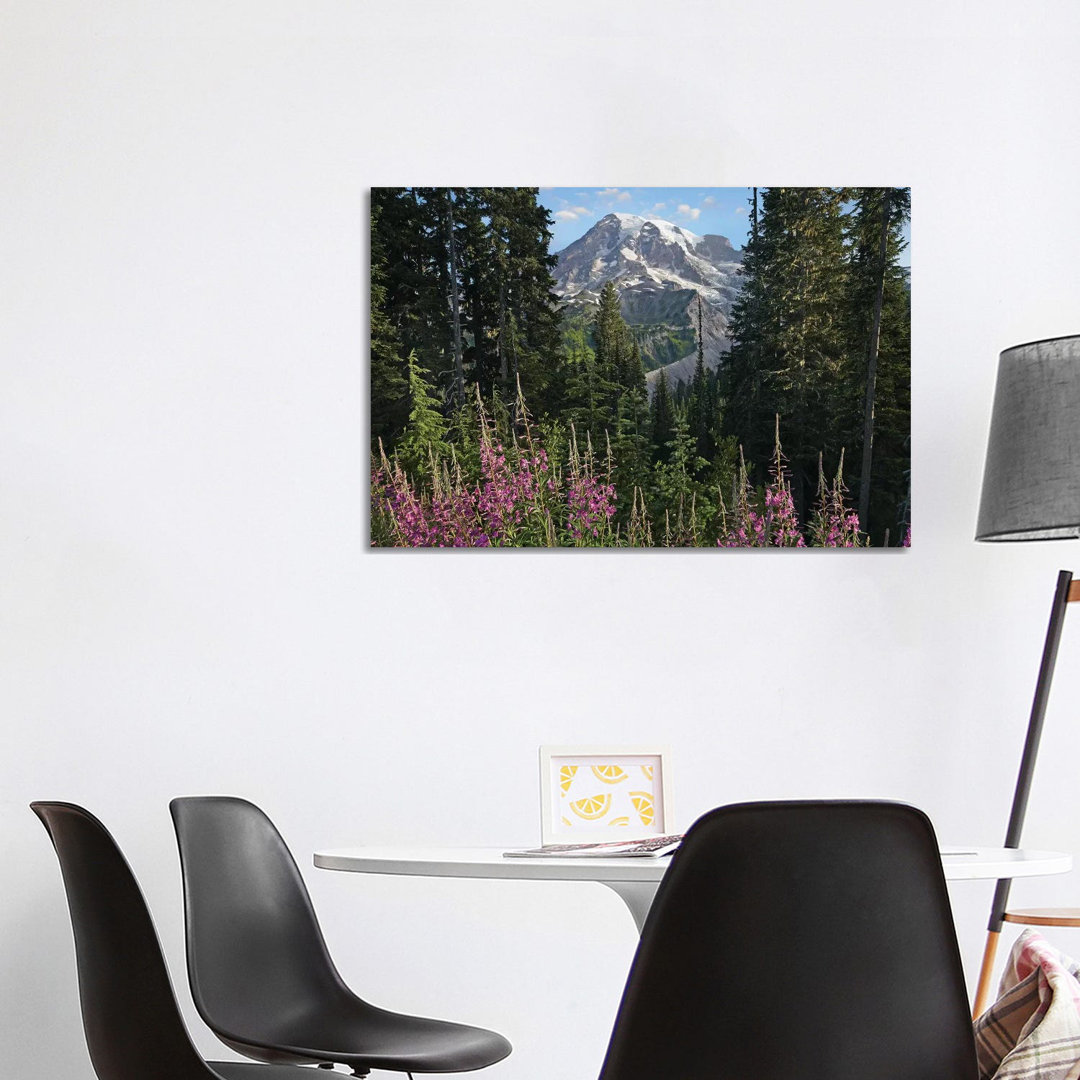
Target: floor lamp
<point>1031,491</point>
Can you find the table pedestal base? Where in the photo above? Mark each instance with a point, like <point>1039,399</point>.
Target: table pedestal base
<point>637,896</point>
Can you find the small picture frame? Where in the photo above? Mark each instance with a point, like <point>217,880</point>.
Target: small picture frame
<point>595,793</point>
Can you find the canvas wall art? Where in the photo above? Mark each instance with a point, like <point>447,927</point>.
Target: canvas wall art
<point>640,367</point>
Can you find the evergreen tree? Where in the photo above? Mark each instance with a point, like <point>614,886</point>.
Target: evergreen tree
<point>700,415</point>
<point>528,329</point>
<point>407,227</point>
<point>585,391</point>
<point>453,285</point>
<point>878,379</point>
<point>661,418</point>
<point>389,373</point>
<point>479,288</point>
<point>632,442</point>
<point>425,434</point>
<point>675,476</point>
<point>611,340</point>
<point>469,287</point>
<point>789,344</point>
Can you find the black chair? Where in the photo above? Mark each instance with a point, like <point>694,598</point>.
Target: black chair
<point>798,941</point>
<point>260,973</point>
<point>133,1026</point>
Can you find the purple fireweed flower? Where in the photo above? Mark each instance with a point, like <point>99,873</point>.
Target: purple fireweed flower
<point>590,505</point>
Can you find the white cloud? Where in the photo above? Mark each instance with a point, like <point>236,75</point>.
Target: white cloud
<point>608,193</point>
<point>583,210</point>
<point>623,196</point>
<point>740,210</point>
<point>565,215</point>
<point>692,212</point>
<point>660,206</point>
<point>709,200</point>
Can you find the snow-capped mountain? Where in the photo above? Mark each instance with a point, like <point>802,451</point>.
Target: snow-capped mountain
<point>660,269</point>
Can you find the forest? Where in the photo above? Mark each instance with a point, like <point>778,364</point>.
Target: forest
<point>500,419</point>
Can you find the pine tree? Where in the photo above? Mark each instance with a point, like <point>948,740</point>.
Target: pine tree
<point>879,373</point>
<point>454,289</point>
<point>789,344</point>
<point>699,406</point>
<point>389,373</point>
<point>407,226</point>
<point>585,391</point>
<point>611,340</point>
<point>675,486</point>
<point>633,445</point>
<point>661,418</point>
<point>528,330</point>
<point>425,435</point>
<point>481,314</point>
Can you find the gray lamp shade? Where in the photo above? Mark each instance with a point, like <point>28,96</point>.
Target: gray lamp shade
<point>1031,484</point>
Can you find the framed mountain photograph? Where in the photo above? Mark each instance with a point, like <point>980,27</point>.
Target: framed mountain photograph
<point>640,367</point>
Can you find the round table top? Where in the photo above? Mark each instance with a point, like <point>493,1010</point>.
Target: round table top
<point>960,863</point>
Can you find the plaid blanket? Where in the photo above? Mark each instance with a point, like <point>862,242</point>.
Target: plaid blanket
<point>1032,1031</point>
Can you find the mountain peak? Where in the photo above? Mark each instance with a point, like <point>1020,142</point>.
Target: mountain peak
<point>660,269</point>
<point>632,224</point>
<point>629,248</point>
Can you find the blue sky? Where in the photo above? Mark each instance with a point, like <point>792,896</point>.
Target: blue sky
<point>701,210</point>
<point>723,211</point>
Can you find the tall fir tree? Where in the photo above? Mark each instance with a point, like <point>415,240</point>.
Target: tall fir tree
<point>661,418</point>
<point>528,328</point>
<point>425,434</point>
<point>611,340</point>
<point>389,384</point>
<point>407,224</point>
<point>789,346</point>
<point>633,443</point>
<point>586,399</point>
<point>878,378</point>
<point>467,286</point>
<point>698,415</point>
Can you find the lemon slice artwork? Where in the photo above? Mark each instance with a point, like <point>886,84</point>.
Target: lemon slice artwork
<point>643,804</point>
<point>609,774</point>
<point>566,777</point>
<point>623,820</point>
<point>592,808</point>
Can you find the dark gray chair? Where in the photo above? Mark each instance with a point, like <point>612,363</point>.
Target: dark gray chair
<point>133,1026</point>
<point>259,969</point>
<point>798,941</point>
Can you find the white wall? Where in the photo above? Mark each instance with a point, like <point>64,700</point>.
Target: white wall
<point>187,604</point>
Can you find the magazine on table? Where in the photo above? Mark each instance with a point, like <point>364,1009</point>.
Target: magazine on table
<point>649,847</point>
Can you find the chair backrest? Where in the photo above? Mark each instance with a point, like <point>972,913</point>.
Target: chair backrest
<point>798,941</point>
<point>255,951</point>
<point>132,1022</point>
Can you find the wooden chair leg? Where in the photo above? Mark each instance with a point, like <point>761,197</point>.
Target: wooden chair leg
<point>982,992</point>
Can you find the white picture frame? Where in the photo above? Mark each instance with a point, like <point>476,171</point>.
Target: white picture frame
<point>596,793</point>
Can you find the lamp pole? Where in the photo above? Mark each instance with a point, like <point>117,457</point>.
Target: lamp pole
<point>1066,591</point>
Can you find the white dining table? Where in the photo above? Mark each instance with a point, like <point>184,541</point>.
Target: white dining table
<point>636,879</point>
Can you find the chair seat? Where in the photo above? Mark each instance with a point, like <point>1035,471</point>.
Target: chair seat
<point>364,1037</point>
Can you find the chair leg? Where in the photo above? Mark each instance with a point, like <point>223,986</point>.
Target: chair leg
<point>982,992</point>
